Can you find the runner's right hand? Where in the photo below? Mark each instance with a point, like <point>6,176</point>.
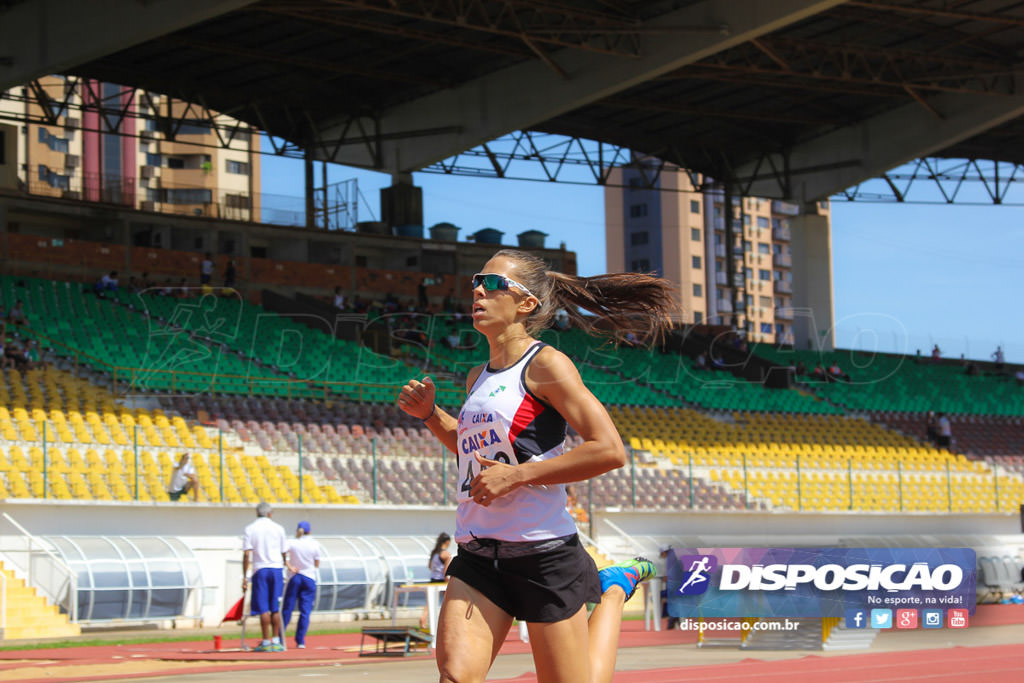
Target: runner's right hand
<point>417,398</point>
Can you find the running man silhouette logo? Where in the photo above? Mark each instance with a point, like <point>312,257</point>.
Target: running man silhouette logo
<point>696,573</point>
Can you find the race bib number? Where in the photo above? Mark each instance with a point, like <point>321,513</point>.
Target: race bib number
<point>486,436</point>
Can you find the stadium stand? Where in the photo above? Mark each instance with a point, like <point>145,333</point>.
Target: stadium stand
<point>292,413</point>
<point>904,384</point>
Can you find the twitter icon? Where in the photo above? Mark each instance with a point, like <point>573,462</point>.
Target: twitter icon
<point>881,618</point>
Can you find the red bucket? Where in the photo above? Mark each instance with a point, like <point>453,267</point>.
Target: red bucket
<point>216,642</point>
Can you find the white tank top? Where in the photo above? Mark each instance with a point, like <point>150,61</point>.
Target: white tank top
<point>502,420</point>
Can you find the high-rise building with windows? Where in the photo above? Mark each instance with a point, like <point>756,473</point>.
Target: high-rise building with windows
<point>166,156</point>
<point>780,289</point>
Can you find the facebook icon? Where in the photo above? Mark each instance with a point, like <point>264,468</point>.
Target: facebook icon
<point>856,618</point>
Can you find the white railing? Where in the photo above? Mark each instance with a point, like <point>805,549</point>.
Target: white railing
<point>600,548</point>
<point>636,547</point>
<point>44,570</point>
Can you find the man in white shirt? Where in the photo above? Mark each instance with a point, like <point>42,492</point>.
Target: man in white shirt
<point>264,546</point>
<point>206,269</point>
<point>184,479</point>
<point>945,439</point>
<point>303,561</point>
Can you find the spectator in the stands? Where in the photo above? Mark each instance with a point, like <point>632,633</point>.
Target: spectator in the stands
<point>999,359</point>
<point>702,361</point>
<point>107,283</point>
<point>931,427</point>
<point>167,289</point>
<point>819,372</point>
<point>30,355</point>
<point>801,369</point>
<point>144,281</point>
<point>936,354</point>
<point>182,290</point>
<point>339,298</point>
<point>945,439</point>
<point>1020,377</point>
<point>6,361</point>
<point>572,504</point>
<point>448,303</point>
<point>133,284</point>
<point>17,314</point>
<point>206,269</point>
<point>452,339</point>
<point>423,304</point>
<point>562,319</point>
<point>836,373</point>
<point>971,369</point>
<point>716,362</point>
<point>230,273</point>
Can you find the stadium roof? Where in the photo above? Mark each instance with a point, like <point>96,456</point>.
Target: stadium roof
<point>789,98</point>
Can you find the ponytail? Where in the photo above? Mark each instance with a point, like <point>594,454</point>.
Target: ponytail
<point>634,303</point>
<point>622,303</point>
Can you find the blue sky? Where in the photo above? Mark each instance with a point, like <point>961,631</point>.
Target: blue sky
<point>905,276</point>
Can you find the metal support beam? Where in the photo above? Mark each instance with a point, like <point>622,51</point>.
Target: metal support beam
<point>497,104</point>
<point>40,37</point>
<point>843,158</point>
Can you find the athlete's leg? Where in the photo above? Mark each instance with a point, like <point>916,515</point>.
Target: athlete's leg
<point>604,626</point>
<point>560,649</point>
<point>618,583</point>
<point>471,630</point>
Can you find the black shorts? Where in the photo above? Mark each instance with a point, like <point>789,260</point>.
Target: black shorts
<point>176,495</point>
<point>544,587</point>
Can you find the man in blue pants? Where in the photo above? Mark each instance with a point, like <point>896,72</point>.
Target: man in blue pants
<point>264,546</point>
<point>303,561</point>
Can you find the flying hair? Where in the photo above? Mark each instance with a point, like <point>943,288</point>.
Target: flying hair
<point>620,303</point>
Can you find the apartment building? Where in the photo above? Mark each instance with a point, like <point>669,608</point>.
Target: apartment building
<point>166,156</point>
<point>781,284</point>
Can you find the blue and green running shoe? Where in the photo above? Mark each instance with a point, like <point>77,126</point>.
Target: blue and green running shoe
<point>627,575</point>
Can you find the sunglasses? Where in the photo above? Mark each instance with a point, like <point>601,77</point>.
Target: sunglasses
<point>493,281</point>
